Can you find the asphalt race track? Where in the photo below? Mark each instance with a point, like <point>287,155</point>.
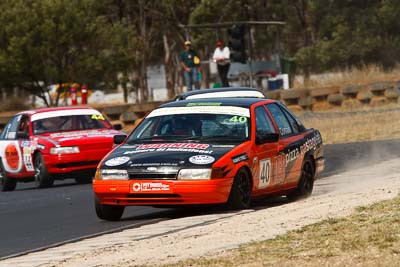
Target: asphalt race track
<point>32,218</point>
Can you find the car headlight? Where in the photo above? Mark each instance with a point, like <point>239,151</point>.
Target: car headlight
<point>64,150</point>
<point>194,174</point>
<point>111,174</point>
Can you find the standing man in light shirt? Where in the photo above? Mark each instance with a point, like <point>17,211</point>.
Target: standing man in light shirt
<point>221,57</point>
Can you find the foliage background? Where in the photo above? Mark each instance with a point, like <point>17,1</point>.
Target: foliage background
<point>103,43</point>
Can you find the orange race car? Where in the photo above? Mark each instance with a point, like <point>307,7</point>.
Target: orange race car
<point>209,151</point>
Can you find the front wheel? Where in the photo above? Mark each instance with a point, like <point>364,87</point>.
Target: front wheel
<point>42,177</point>
<point>240,195</point>
<point>6,183</point>
<point>306,182</point>
<point>108,212</point>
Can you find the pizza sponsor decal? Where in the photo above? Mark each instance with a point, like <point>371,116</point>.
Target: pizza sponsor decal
<point>201,159</point>
<point>309,144</point>
<point>116,161</point>
<point>12,156</point>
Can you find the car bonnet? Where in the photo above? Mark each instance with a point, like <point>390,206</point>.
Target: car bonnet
<point>166,155</point>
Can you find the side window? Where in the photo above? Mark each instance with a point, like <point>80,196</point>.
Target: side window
<point>290,115</point>
<point>263,122</point>
<point>293,123</point>
<point>10,130</point>
<point>23,125</point>
<point>280,119</point>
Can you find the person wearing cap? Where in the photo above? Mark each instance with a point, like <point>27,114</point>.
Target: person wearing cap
<point>221,57</point>
<point>190,64</point>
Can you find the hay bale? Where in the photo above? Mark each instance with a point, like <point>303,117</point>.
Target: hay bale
<point>351,91</point>
<point>378,101</point>
<point>392,94</point>
<point>274,94</point>
<point>364,97</point>
<point>295,109</point>
<point>351,104</point>
<point>378,88</point>
<point>306,102</point>
<point>321,106</point>
<point>335,99</point>
<point>128,117</point>
<point>324,92</point>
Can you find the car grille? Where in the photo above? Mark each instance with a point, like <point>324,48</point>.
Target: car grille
<point>143,174</point>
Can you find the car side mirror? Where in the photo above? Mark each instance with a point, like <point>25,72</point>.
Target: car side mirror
<point>264,137</point>
<point>22,135</point>
<point>119,138</point>
<point>117,126</point>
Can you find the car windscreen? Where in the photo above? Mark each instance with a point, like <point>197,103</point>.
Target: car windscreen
<point>194,123</point>
<point>70,123</point>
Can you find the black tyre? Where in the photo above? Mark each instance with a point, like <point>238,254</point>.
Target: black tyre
<point>240,195</point>
<point>108,212</point>
<point>42,177</point>
<point>306,183</point>
<point>6,183</point>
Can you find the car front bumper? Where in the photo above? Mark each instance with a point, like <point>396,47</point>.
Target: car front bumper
<point>162,192</point>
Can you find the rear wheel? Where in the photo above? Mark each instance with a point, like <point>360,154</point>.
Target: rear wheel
<point>240,195</point>
<point>6,183</point>
<point>42,177</point>
<point>306,183</point>
<point>108,212</point>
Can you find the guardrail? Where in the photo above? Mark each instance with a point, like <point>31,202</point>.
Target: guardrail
<point>350,96</point>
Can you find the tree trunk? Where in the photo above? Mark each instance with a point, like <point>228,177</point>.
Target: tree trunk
<point>169,68</point>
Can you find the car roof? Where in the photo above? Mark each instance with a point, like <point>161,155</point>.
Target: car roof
<point>50,109</point>
<point>238,102</point>
<point>224,92</point>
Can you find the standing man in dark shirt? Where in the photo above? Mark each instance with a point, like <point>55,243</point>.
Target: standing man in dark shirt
<point>189,62</point>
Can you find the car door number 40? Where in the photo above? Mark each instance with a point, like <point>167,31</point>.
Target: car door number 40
<point>265,173</point>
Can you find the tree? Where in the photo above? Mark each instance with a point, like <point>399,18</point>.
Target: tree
<point>55,42</point>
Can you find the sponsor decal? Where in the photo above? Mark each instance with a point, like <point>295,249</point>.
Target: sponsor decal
<point>280,170</point>
<point>12,157</point>
<point>204,104</point>
<point>201,159</point>
<point>171,147</point>
<point>40,146</point>
<point>244,93</point>
<point>27,159</point>
<point>240,158</point>
<point>265,173</point>
<point>90,133</point>
<point>97,117</point>
<point>309,144</point>
<point>116,161</point>
<point>66,112</point>
<point>25,144</point>
<point>150,187</point>
<point>175,145</point>
<point>151,164</point>
<point>227,110</point>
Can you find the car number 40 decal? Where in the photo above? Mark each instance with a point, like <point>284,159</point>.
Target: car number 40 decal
<point>265,173</point>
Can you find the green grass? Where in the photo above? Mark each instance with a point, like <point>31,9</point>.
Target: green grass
<point>369,237</point>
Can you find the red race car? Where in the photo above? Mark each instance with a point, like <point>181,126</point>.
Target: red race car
<point>208,151</point>
<point>53,143</point>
